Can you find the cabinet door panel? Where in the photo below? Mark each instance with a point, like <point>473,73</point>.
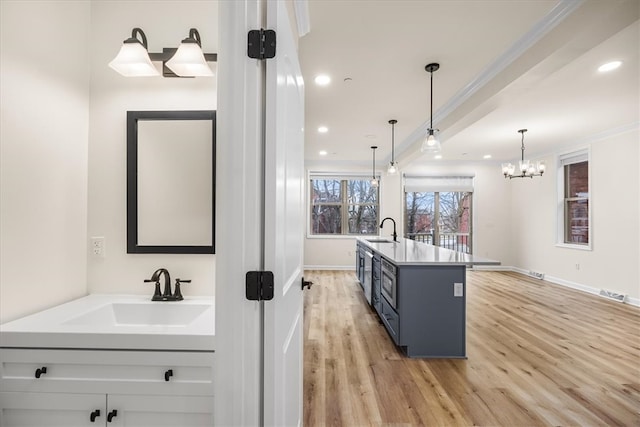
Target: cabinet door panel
<point>161,411</point>
<point>50,409</point>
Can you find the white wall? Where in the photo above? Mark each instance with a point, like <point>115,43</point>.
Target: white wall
<point>515,221</point>
<point>165,24</point>
<point>43,154</point>
<point>612,262</point>
<point>491,210</point>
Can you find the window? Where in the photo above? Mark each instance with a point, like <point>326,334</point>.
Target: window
<point>438,211</point>
<point>343,206</point>
<point>574,216</point>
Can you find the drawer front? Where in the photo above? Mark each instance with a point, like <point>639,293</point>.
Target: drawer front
<point>390,320</point>
<point>98,371</point>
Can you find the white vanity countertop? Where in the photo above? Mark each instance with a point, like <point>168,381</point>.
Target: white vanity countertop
<point>128,322</point>
<point>410,252</point>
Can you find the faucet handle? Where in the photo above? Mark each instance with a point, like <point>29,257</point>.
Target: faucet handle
<point>177,295</point>
<point>157,296</point>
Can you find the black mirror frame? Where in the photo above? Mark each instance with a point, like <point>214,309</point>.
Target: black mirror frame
<point>132,180</point>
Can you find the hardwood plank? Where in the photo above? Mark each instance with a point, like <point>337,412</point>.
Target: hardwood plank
<point>538,354</point>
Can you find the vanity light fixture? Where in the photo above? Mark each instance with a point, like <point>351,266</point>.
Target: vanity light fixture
<point>431,143</point>
<point>527,169</point>
<point>374,180</point>
<point>392,169</point>
<point>133,58</point>
<point>188,60</point>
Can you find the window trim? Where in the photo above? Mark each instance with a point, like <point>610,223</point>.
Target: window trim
<point>565,158</point>
<point>342,176</point>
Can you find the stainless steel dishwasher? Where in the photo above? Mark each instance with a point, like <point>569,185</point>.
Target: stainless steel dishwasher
<point>368,274</point>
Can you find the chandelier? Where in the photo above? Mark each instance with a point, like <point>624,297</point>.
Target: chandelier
<point>526,169</point>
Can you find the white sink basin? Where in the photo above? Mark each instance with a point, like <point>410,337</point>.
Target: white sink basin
<point>141,314</point>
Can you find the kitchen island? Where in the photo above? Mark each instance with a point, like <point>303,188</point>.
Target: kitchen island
<point>419,292</point>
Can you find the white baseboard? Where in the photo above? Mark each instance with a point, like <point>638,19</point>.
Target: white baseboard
<point>576,286</point>
<point>330,267</point>
<point>555,280</point>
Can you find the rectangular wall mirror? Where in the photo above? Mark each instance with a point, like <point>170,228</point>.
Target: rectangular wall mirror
<point>171,182</point>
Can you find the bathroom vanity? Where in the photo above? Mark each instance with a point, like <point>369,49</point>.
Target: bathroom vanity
<point>419,292</point>
<point>110,360</point>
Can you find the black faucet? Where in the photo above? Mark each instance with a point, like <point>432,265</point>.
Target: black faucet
<point>395,235</point>
<point>166,294</point>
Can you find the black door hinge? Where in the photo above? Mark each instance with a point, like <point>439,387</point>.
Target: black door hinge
<point>261,44</point>
<point>259,285</point>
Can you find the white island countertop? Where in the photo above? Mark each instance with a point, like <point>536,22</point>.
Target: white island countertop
<point>127,322</point>
<point>410,252</point>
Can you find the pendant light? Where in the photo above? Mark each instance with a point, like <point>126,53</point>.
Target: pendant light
<point>431,143</point>
<point>392,169</point>
<point>526,168</point>
<point>374,180</point>
<point>189,59</point>
<point>133,58</point>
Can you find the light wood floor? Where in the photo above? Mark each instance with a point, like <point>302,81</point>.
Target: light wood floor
<point>538,354</point>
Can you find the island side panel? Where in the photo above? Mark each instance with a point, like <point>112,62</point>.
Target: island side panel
<point>432,318</point>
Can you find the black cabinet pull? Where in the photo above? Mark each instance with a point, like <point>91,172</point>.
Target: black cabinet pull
<point>168,374</point>
<point>41,371</point>
<point>94,415</point>
<point>111,415</point>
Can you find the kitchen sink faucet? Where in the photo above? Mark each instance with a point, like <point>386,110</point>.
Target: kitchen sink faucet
<point>395,235</point>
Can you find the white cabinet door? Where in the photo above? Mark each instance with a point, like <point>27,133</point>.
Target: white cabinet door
<point>284,225</point>
<point>51,409</point>
<point>159,411</point>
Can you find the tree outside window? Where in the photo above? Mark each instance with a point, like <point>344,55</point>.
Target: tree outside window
<point>343,206</point>
<point>576,203</point>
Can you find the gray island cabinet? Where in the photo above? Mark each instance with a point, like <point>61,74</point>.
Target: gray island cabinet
<point>419,292</point>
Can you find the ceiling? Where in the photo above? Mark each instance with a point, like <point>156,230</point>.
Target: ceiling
<point>504,65</point>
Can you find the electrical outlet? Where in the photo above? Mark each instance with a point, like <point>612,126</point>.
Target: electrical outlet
<point>457,290</point>
<point>98,247</point>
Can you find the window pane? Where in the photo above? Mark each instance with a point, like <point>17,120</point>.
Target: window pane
<point>325,191</point>
<point>577,180</point>
<point>363,219</point>
<point>361,191</point>
<point>420,211</point>
<point>577,221</point>
<point>326,219</point>
<point>454,212</point>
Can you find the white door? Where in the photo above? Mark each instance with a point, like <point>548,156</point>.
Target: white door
<point>284,211</point>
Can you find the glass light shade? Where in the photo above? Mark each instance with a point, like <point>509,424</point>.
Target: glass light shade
<point>133,61</point>
<point>189,61</point>
<point>374,183</point>
<point>431,143</point>
<point>508,169</point>
<point>524,166</point>
<point>541,167</point>
<point>392,169</point>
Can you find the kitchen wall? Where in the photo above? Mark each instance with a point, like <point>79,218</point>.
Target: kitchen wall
<point>612,262</point>
<point>44,75</point>
<point>165,24</point>
<point>491,212</point>
<point>515,221</point>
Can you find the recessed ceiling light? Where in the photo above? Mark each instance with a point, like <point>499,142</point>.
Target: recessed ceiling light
<point>437,156</point>
<point>609,66</point>
<point>322,80</point>
<point>486,156</point>
<point>322,153</point>
<point>323,129</point>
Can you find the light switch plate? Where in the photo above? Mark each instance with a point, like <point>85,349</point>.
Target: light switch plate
<point>458,290</point>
